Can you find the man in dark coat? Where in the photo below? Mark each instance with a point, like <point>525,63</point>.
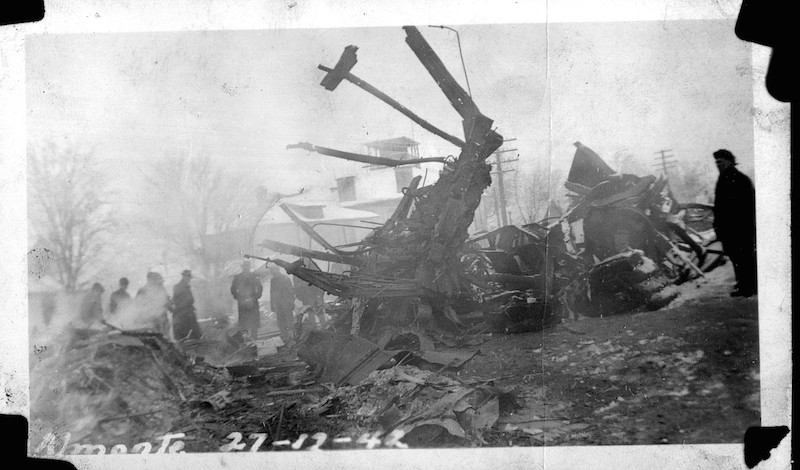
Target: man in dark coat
<point>735,222</point>
<point>247,289</point>
<point>119,297</point>
<point>184,320</point>
<point>281,301</point>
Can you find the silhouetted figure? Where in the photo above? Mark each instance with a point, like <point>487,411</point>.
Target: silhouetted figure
<point>281,301</point>
<point>119,297</point>
<point>92,305</point>
<point>735,222</point>
<point>184,319</point>
<point>247,289</point>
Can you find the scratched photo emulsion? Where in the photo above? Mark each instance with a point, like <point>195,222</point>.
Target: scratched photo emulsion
<point>400,237</point>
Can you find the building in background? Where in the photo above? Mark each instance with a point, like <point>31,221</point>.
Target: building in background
<point>378,189</point>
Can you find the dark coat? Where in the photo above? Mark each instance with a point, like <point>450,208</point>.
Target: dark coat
<point>735,208</point>
<point>182,298</point>
<point>246,288</point>
<point>281,293</point>
<point>184,320</point>
<point>118,297</point>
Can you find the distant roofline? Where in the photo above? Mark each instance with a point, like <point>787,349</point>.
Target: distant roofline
<point>394,140</point>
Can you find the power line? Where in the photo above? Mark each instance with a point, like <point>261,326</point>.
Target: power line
<point>665,161</point>
<point>501,205</point>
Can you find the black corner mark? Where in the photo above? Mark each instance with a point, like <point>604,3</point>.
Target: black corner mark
<point>759,441</point>
<point>21,11</point>
<point>14,428</point>
<point>772,23</point>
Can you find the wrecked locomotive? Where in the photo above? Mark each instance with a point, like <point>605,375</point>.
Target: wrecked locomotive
<point>621,244</point>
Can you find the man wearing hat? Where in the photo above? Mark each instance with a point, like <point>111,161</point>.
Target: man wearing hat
<point>184,320</point>
<point>247,289</point>
<point>735,222</point>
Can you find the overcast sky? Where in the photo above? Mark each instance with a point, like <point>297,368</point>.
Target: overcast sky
<point>242,96</point>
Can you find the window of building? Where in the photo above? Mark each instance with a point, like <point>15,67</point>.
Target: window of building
<point>347,188</point>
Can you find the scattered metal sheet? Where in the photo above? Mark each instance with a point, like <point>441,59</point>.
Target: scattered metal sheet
<point>342,358</point>
<point>453,359</point>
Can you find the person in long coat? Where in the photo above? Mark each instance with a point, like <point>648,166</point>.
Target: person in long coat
<point>735,222</point>
<point>281,301</point>
<point>120,297</point>
<point>246,288</point>
<point>184,319</point>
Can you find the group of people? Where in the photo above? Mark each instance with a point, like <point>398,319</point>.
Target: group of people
<point>247,289</point>
<point>153,299</point>
<point>154,302</point>
<point>734,223</point>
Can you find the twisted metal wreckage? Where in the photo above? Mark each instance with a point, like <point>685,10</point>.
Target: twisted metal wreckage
<point>614,250</point>
<point>617,248</point>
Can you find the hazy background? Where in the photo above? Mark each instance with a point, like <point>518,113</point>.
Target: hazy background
<point>627,90</point>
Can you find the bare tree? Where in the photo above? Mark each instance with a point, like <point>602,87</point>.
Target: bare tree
<point>193,198</point>
<point>68,210</point>
<point>533,193</point>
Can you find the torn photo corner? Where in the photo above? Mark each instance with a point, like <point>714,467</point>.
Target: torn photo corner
<point>393,234</point>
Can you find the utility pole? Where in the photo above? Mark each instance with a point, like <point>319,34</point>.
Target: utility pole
<point>665,162</point>
<point>500,201</point>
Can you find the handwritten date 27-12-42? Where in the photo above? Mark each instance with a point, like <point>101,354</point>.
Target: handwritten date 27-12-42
<point>174,444</point>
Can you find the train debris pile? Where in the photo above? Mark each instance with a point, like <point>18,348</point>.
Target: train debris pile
<point>414,256</point>
<point>112,386</point>
<point>621,244</point>
<point>121,389</point>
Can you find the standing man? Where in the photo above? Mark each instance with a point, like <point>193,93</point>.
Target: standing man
<point>735,222</point>
<point>184,320</point>
<point>281,301</point>
<point>119,297</point>
<point>247,289</point>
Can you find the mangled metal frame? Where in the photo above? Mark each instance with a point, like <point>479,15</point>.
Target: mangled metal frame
<point>419,252</point>
<point>416,252</point>
<point>574,263</point>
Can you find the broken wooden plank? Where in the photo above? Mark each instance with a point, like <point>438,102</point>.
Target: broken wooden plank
<point>459,98</point>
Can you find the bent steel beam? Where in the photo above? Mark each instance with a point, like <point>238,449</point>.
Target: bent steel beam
<point>394,104</point>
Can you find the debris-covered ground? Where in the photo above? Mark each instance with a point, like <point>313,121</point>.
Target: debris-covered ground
<point>687,373</point>
<point>608,324</point>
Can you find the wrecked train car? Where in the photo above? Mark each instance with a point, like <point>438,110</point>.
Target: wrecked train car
<point>617,247</point>
<point>415,256</point>
<point>620,245</point>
